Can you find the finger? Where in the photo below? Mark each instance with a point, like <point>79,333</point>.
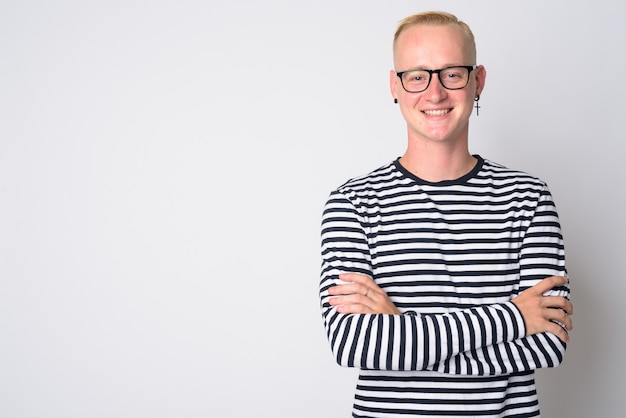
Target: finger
<point>558,302</point>
<point>351,299</point>
<point>348,289</point>
<point>341,300</point>
<point>353,304</point>
<point>354,309</point>
<point>341,289</point>
<point>548,283</point>
<point>336,301</point>
<point>355,278</point>
<point>559,332</point>
<point>567,323</point>
<point>561,317</point>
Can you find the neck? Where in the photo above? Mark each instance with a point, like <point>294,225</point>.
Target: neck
<point>438,162</point>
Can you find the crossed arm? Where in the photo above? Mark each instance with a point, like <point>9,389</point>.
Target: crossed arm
<point>367,330</point>
<point>360,295</point>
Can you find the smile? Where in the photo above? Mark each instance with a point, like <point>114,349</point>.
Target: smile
<point>437,112</point>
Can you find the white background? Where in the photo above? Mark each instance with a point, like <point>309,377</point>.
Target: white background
<point>163,166</point>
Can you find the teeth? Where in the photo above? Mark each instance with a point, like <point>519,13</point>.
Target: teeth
<point>439,112</point>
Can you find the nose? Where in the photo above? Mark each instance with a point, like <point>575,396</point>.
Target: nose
<point>435,91</point>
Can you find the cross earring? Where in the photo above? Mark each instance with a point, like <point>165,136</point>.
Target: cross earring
<point>476,105</point>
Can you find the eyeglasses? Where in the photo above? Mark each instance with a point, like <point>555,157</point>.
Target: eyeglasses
<point>452,78</point>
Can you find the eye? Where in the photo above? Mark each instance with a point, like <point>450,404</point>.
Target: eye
<point>415,76</point>
<point>453,75</point>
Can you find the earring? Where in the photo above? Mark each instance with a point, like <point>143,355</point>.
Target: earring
<point>395,100</point>
<point>477,106</point>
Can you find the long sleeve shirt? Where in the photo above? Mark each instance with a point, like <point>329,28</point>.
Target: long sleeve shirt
<point>451,256</point>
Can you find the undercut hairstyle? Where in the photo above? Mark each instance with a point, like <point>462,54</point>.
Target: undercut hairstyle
<point>435,19</point>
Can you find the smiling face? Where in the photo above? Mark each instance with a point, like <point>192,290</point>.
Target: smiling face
<point>436,114</point>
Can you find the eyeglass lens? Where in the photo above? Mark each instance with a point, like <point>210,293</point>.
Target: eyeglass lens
<point>451,78</point>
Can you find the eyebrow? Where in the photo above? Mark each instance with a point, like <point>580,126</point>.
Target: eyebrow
<point>435,69</point>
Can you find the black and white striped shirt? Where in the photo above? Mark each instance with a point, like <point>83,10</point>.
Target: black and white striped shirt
<point>451,256</point>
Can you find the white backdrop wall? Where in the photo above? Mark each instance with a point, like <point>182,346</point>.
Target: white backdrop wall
<point>163,166</point>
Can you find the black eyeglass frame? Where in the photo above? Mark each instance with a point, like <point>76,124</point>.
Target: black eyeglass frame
<point>469,69</point>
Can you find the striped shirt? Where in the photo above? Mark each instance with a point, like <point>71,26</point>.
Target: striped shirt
<point>451,255</point>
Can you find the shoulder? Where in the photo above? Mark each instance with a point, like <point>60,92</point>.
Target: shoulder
<point>370,190</point>
<point>374,180</point>
<point>503,175</point>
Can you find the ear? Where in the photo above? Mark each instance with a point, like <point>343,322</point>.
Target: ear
<point>394,83</point>
<point>480,74</point>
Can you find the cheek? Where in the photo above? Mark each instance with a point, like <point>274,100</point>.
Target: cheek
<point>467,97</point>
<point>410,112</point>
<point>408,100</point>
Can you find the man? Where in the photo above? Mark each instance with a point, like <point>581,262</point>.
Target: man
<point>443,273</point>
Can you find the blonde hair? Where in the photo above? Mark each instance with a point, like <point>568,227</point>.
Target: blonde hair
<point>435,19</point>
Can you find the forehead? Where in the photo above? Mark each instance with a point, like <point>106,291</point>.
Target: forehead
<point>432,46</point>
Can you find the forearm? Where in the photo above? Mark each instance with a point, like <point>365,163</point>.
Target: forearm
<point>522,355</point>
<point>450,344</point>
<point>483,340</point>
<point>414,341</point>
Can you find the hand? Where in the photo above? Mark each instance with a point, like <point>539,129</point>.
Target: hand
<point>540,311</point>
<point>360,294</point>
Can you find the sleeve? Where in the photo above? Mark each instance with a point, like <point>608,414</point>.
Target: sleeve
<point>483,340</point>
<point>542,255</point>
